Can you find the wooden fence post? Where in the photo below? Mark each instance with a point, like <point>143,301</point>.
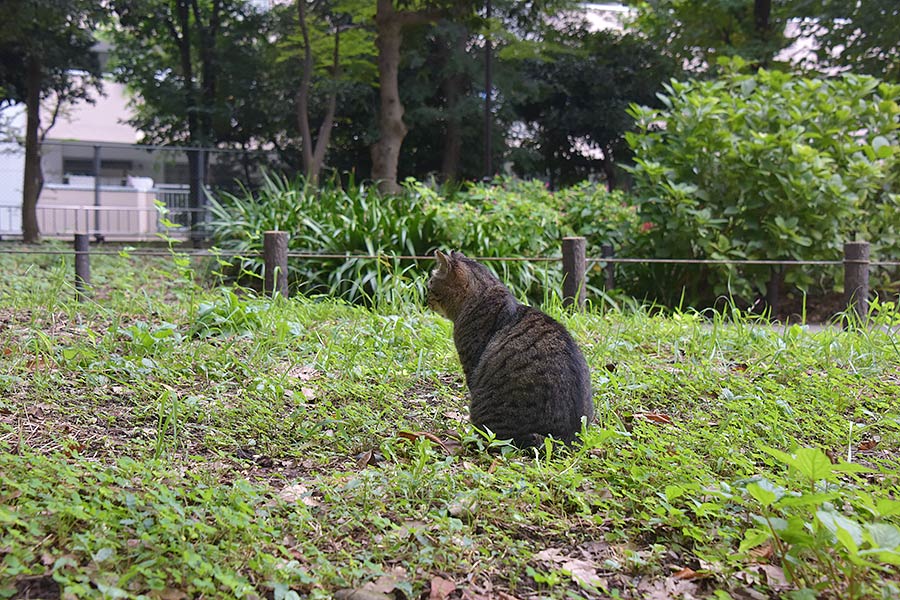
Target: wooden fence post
<point>275,245</point>
<point>574,266</point>
<point>609,271</point>
<point>856,278</point>
<point>82,266</point>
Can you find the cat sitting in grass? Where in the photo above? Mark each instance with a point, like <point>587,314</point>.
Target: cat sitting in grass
<point>526,375</point>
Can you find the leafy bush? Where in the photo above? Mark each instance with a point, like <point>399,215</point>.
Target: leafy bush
<point>328,220</point>
<point>829,537</point>
<point>508,218</point>
<point>764,166</point>
<point>601,217</point>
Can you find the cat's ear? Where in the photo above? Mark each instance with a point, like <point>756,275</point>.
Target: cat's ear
<point>443,264</point>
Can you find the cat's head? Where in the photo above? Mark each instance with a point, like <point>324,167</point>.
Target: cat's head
<point>447,285</point>
<point>454,280</point>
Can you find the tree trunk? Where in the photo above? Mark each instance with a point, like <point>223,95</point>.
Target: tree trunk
<point>453,86</point>
<point>313,158</point>
<point>182,36</point>
<point>324,137</point>
<point>389,25</point>
<point>31,183</point>
<point>306,149</point>
<point>392,129</point>
<point>762,12</point>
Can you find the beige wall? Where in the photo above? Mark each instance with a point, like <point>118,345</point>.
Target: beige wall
<point>125,214</point>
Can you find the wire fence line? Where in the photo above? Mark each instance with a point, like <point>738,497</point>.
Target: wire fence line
<point>856,263</point>
<point>125,252</point>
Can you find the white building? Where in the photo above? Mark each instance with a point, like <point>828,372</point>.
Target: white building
<point>119,202</point>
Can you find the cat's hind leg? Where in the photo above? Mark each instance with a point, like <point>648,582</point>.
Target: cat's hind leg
<point>529,440</point>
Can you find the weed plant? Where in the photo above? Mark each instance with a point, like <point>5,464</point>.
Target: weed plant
<point>507,218</point>
<point>168,441</point>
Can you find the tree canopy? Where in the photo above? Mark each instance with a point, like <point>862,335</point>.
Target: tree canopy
<point>46,49</point>
<point>389,89</point>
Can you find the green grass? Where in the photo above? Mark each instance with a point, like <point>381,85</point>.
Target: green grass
<point>172,441</point>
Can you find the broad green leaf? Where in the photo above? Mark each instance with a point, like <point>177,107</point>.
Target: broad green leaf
<point>890,557</point>
<point>673,492</point>
<point>763,491</point>
<point>774,523</point>
<point>812,463</point>
<point>848,532</point>
<point>882,536</point>
<point>806,500</point>
<point>882,147</point>
<point>754,538</point>
<point>887,507</point>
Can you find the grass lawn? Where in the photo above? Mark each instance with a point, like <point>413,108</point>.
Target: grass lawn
<point>172,440</point>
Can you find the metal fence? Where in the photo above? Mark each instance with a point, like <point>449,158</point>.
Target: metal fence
<point>116,191</point>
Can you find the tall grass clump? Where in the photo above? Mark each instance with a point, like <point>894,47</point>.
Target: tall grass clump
<point>327,220</point>
<point>501,219</point>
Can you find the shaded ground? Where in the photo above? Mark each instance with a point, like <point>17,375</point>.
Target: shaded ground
<point>326,450</point>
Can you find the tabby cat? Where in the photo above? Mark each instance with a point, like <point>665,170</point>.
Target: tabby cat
<point>526,376</point>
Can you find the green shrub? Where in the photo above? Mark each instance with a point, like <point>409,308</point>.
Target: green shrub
<point>764,166</point>
<point>507,218</point>
<point>601,217</point>
<point>329,220</point>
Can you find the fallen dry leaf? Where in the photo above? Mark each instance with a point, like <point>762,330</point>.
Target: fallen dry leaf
<point>867,445</point>
<point>440,588</point>
<point>668,589</point>
<point>298,493</point>
<point>364,459</point>
<point>551,555</point>
<point>304,372</point>
<point>449,447</point>
<point>387,582</point>
<point>456,415</point>
<point>685,573</point>
<point>762,553</point>
<point>774,575</point>
<point>308,393</point>
<point>168,594</point>
<point>361,595</point>
<point>654,417</point>
<point>584,573</point>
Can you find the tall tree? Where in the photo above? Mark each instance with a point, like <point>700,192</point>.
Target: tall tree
<point>440,84</point>
<point>862,36</point>
<point>391,19</point>
<point>327,38</point>
<point>697,32</point>
<point>194,67</point>
<point>43,43</point>
<point>574,101</point>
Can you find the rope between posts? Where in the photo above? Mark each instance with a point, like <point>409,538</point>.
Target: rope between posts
<point>335,256</point>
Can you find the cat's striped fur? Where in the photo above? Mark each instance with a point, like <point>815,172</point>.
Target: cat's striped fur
<point>527,377</point>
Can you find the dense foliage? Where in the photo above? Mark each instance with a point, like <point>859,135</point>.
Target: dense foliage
<point>766,166</point>
<point>507,218</point>
<point>860,36</point>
